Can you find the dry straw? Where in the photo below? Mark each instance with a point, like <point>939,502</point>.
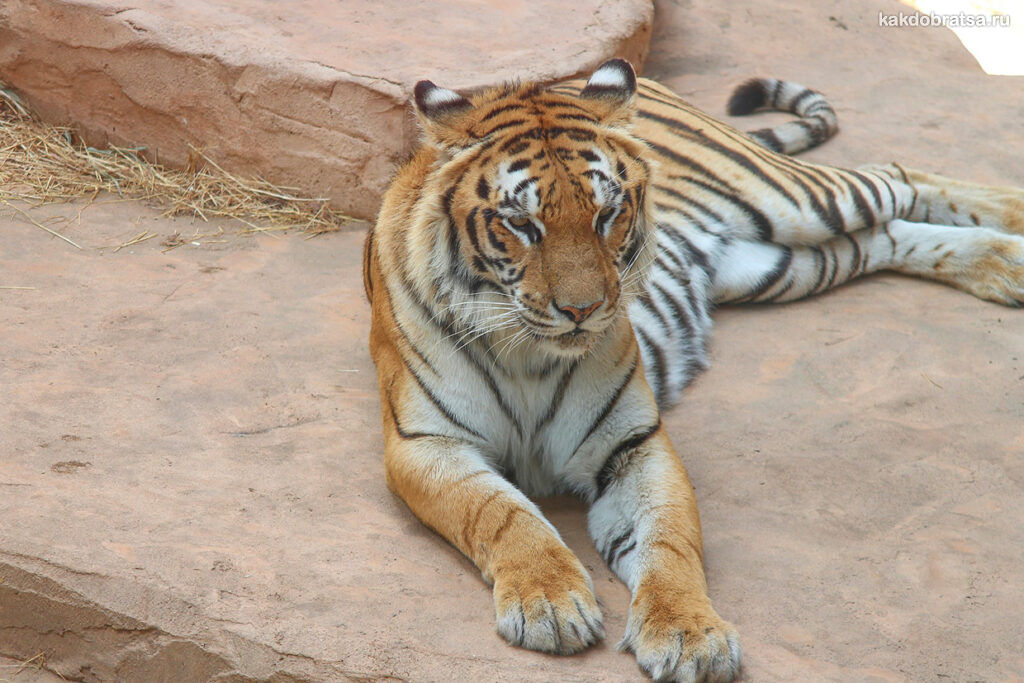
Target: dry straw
<point>43,164</point>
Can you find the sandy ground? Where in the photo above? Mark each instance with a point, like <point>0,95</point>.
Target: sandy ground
<point>21,672</point>
<point>191,479</point>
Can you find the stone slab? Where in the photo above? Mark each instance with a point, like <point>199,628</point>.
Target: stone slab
<point>311,94</point>
<point>190,476</point>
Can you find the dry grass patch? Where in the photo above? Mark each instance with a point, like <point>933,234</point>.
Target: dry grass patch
<point>44,164</point>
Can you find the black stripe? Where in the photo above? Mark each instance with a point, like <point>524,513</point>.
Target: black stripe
<point>782,292</point>
<point>731,154</point>
<point>620,455</point>
<point>764,227</point>
<point>698,305</point>
<point>493,239</point>
<point>523,184</point>
<point>531,232</point>
<point>564,103</point>
<point>575,117</point>
<point>609,405</point>
<point>495,391</point>
<point>867,216</point>
<point>572,132</point>
<point>483,190</point>
<point>622,553</point>
<point>657,365</point>
<point>647,302</point>
<point>405,336</point>
<point>556,400</point>
<point>836,216</point>
<point>680,315</point>
<point>724,129</point>
<point>457,268</point>
<point>812,130</point>
<point>507,124</point>
<point>855,261</point>
<point>677,270</point>
<point>892,196</point>
<point>512,106</point>
<point>367,265</point>
<point>514,278</point>
<point>401,431</point>
<point>655,96</point>
<point>439,320</point>
<point>471,230</point>
<point>440,405</point>
<point>822,263</point>
<point>795,104</point>
<point>767,137</point>
<point>635,242</point>
<point>613,547</point>
<point>871,186</point>
<point>830,217</point>
<point>524,137</point>
<point>700,206</point>
<point>696,255</point>
<point>835,271</point>
<point>776,273</point>
<point>689,219</point>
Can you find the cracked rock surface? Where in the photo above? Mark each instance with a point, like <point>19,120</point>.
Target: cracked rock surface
<point>310,94</point>
<point>191,485</point>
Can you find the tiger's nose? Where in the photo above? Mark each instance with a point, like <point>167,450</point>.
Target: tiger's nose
<point>579,313</point>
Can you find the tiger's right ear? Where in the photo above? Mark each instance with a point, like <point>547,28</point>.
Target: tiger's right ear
<point>443,114</point>
<point>611,91</point>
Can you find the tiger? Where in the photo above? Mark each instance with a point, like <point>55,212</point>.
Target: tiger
<point>541,278</point>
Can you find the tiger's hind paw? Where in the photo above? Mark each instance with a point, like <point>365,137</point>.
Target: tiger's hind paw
<point>981,261</point>
<point>997,273</point>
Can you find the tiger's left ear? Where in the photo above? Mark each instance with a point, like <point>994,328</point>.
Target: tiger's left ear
<point>611,92</point>
<point>443,113</point>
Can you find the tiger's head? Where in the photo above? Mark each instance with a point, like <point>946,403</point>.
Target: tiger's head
<point>541,229</point>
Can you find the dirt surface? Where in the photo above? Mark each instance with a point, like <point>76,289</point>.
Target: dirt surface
<point>12,671</point>
<point>322,85</point>
<point>191,478</point>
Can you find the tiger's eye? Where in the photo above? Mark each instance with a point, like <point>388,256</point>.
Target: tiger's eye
<point>606,211</point>
<point>518,221</point>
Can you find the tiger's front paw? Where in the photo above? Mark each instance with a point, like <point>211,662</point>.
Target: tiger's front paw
<point>547,603</point>
<point>682,640</point>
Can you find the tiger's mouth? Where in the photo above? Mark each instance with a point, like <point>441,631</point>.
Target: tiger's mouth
<point>577,337</point>
<point>573,343</point>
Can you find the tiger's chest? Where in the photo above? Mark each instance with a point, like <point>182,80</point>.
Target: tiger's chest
<point>522,412</point>
<point>546,424</point>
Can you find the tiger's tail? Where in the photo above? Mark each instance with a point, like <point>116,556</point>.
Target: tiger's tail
<point>817,118</point>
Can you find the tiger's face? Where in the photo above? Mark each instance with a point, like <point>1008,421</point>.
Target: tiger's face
<point>545,206</point>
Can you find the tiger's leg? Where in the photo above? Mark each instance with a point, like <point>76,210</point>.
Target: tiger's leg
<point>946,201</point>
<point>543,597</point>
<point>815,203</point>
<point>644,521</point>
<point>795,203</point>
<point>984,262</point>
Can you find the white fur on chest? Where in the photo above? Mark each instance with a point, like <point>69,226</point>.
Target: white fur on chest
<point>547,423</point>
